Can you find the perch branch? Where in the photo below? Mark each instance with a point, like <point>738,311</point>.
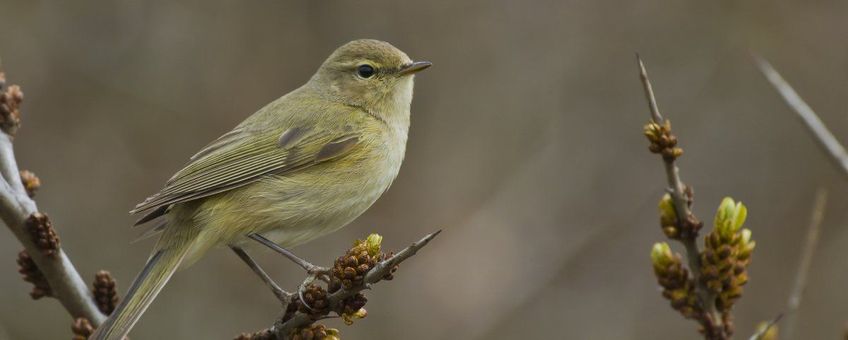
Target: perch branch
<point>285,326</point>
<point>681,200</point>
<point>805,112</point>
<point>17,208</point>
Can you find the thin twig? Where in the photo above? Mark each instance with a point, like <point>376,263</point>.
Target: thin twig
<point>808,116</point>
<point>66,284</point>
<point>681,206</point>
<point>759,334</point>
<point>283,329</point>
<point>807,252</point>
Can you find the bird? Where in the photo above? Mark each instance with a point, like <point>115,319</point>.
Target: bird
<point>303,166</point>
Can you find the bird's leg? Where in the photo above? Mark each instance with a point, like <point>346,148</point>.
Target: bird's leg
<point>316,271</point>
<point>284,296</point>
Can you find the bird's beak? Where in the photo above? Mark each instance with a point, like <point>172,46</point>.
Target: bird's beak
<point>414,67</point>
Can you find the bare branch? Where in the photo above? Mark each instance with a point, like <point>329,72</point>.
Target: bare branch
<point>16,207</point>
<point>803,273</point>
<point>808,116</point>
<point>384,268</point>
<point>677,190</point>
<point>285,326</point>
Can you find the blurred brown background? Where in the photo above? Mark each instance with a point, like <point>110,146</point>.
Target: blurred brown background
<point>525,147</point>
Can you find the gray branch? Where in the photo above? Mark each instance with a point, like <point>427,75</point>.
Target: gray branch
<point>283,329</point>
<point>16,207</point>
<point>825,138</point>
<point>681,205</point>
<point>807,253</point>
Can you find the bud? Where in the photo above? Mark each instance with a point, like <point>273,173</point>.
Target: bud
<point>333,334</point>
<point>661,256</point>
<point>653,131</point>
<point>372,244</point>
<point>668,216</point>
<point>746,245</point>
<point>729,218</point>
<point>350,318</point>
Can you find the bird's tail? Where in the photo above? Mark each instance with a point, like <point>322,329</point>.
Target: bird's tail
<point>159,268</point>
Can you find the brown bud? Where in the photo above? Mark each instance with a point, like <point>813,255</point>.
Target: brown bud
<point>31,274</point>
<point>10,102</point>
<point>43,234</point>
<point>30,181</point>
<point>82,329</point>
<point>105,292</point>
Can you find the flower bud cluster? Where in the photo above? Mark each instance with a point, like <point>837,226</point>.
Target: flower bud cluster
<point>727,254</point>
<point>663,142</point>
<point>677,286</point>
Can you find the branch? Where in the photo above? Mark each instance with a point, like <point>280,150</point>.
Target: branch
<point>44,258</point>
<point>342,295</point>
<point>824,137</point>
<point>761,333</point>
<point>688,225</point>
<point>807,253</point>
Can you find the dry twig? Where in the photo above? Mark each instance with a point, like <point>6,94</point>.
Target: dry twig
<point>803,273</point>
<point>825,138</point>
<point>687,223</point>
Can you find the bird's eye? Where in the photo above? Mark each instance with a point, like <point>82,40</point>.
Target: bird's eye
<point>365,71</point>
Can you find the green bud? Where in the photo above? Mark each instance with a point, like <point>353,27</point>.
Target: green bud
<point>653,131</point>
<point>661,255</point>
<point>746,245</point>
<point>730,217</point>
<point>668,216</point>
<point>333,334</point>
<point>372,244</point>
<point>350,318</point>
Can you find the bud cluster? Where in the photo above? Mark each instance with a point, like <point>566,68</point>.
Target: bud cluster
<point>31,182</point>
<point>82,329</point>
<point>677,286</point>
<point>31,274</point>
<point>105,292</point>
<point>727,254</point>
<point>42,233</point>
<point>11,98</point>
<point>349,270</point>
<point>673,227</point>
<point>316,332</point>
<point>663,142</point>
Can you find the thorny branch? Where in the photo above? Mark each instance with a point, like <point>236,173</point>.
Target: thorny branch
<point>688,224</point>
<point>43,262</point>
<point>343,294</point>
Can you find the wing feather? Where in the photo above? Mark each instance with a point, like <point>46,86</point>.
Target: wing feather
<point>245,155</point>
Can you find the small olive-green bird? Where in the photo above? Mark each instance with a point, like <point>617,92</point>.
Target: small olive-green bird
<point>303,166</point>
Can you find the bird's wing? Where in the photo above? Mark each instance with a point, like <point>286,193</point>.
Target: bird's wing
<point>244,155</point>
